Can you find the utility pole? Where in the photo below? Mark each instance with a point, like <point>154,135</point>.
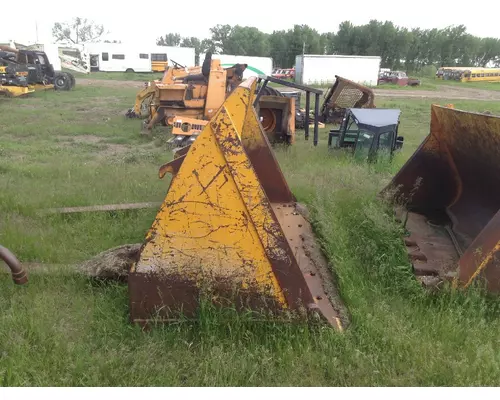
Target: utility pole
<point>36,30</point>
<point>303,47</point>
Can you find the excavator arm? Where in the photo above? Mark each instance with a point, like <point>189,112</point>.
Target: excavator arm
<point>143,101</point>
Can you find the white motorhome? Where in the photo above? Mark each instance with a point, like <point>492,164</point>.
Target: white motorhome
<point>117,57</point>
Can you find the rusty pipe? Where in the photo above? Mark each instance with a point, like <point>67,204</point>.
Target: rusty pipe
<point>19,275</point>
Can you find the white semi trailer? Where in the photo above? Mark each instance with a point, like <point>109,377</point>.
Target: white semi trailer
<point>312,69</point>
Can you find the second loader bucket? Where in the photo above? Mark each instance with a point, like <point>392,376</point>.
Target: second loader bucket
<point>450,195</point>
<point>229,228</point>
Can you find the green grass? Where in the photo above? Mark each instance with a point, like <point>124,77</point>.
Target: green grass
<point>476,85</point>
<point>75,148</point>
<point>120,76</point>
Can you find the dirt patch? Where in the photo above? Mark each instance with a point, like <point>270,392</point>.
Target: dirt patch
<point>99,107</point>
<point>110,83</point>
<point>114,263</point>
<point>443,92</point>
<point>108,149</point>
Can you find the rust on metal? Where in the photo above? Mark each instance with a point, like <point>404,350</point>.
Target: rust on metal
<point>225,229</point>
<point>344,94</point>
<point>482,259</point>
<point>312,264</point>
<point>258,148</point>
<point>450,188</point>
<point>172,167</point>
<point>19,275</point>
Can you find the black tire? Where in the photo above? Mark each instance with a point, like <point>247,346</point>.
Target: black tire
<point>62,81</point>
<point>72,78</point>
<point>129,70</point>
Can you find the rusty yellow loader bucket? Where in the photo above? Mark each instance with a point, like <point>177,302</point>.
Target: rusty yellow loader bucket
<point>229,229</point>
<point>449,196</point>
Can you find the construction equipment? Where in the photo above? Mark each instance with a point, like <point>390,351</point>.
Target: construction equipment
<point>229,230</point>
<point>301,116</point>
<point>26,71</point>
<point>448,194</point>
<point>368,133</point>
<point>186,99</point>
<point>13,77</point>
<point>344,94</point>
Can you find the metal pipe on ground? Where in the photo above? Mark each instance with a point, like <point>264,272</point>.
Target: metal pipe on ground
<point>19,275</point>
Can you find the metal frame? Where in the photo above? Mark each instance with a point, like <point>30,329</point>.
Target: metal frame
<point>342,131</point>
<point>333,95</point>
<point>307,89</point>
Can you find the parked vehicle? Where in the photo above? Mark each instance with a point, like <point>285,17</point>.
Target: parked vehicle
<point>286,73</point>
<point>397,78</point>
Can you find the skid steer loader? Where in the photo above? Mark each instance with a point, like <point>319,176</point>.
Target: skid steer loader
<point>25,71</point>
<point>448,194</point>
<point>186,98</point>
<point>229,230</point>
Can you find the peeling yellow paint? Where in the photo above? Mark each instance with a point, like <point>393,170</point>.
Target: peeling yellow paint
<point>216,222</point>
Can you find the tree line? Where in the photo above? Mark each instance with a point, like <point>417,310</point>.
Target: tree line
<point>398,47</point>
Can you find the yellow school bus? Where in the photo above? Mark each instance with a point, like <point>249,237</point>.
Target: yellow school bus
<point>450,73</point>
<point>159,62</point>
<point>480,75</point>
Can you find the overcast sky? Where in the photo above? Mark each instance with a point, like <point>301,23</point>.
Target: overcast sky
<point>144,21</point>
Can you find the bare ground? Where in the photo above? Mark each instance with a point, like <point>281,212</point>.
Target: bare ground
<point>443,92</point>
<point>110,83</point>
<point>107,150</point>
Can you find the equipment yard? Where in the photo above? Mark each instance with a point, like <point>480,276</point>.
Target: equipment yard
<point>432,91</point>
<point>76,148</point>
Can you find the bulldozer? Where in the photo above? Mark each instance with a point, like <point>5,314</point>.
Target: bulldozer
<point>230,231</point>
<point>447,197</point>
<point>25,71</point>
<point>185,99</point>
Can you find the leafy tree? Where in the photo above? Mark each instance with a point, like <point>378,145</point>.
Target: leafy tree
<point>398,47</point>
<point>200,46</point>
<point>170,39</point>
<point>219,38</point>
<point>79,30</point>
<point>278,44</point>
<point>247,41</point>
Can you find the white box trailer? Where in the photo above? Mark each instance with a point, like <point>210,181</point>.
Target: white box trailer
<point>311,69</point>
<point>255,65</point>
<point>118,57</point>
